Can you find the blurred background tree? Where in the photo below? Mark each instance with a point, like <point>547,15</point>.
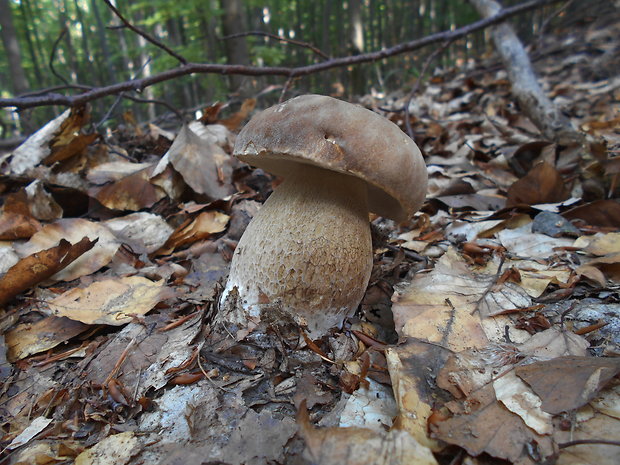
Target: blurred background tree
<point>88,45</point>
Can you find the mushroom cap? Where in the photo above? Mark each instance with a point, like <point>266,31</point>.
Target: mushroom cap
<point>342,137</point>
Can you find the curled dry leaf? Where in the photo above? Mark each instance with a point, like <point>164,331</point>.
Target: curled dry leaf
<point>32,338</point>
<point>40,266</point>
<point>111,301</point>
<point>37,146</point>
<point>142,231</point>
<point>73,230</point>
<point>202,227</point>
<point>205,167</point>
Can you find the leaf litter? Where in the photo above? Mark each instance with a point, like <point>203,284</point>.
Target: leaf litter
<point>488,333</point>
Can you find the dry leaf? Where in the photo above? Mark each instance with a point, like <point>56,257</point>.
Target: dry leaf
<point>592,424</point>
<point>567,383</point>
<point>74,230</point>
<point>482,424</point>
<point>37,146</point>
<point>202,227</point>
<point>37,425</point>
<point>40,266</point>
<point>360,446</point>
<point>111,301</point>
<point>143,232</point>
<point>543,184</point>
<point>31,338</point>
<point>16,226</point>
<point>205,167</point>
<point>519,399</point>
<point>604,213</point>
<point>117,449</point>
<point>133,192</point>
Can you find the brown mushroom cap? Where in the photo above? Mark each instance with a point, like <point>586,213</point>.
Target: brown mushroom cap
<point>342,137</point>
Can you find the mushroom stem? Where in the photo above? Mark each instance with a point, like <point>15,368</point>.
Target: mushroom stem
<point>307,250</point>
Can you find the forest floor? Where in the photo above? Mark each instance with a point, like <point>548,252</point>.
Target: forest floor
<point>490,330</point>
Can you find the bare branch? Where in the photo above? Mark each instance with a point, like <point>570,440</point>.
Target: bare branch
<point>299,43</point>
<point>289,72</point>
<point>146,35</point>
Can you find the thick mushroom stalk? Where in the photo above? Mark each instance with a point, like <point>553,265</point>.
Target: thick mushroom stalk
<point>308,250</point>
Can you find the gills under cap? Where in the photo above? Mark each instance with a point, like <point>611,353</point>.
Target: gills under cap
<point>342,137</point>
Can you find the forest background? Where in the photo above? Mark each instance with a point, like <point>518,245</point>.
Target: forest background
<point>67,45</point>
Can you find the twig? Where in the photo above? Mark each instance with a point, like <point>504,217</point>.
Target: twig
<point>490,287</point>
<point>285,88</point>
<point>146,35</point>
<point>299,43</point>
<point>578,442</point>
<point>53,55</point>
<point>119,362</point>
<point>209,68</point>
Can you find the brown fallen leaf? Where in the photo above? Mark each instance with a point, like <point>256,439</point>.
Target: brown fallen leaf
<point>482,424</point>
<point>75,146</point>
<point>360,446</point>
<point>40,266</point>
<point>567,383</point>
<point>133,192</point>
<point>202,227</point>
<point>16,226</point>
<point>233,121</point>
<point>110,301</point>
<point>542,184</point>
<point>603,213</point>
<point>31,338</point>
<point>592,438</point>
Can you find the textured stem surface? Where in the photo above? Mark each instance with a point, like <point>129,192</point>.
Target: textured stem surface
<point>307,250</point>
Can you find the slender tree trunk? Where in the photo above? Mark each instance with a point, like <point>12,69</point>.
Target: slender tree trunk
<point>236,49</point>
<point>39,51</point>
<point>87,62</point>
<point>13,52</point>
<point>110,73</point>
<point>357,46</point>
<point>71,58</point>
<point>31,49</point>
<point>525,87</point>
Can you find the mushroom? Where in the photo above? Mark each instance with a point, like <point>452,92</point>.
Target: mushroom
<point>308,249</point>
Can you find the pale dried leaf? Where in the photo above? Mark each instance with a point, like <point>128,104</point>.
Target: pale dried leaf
<point>111,301</point>
<point>73,230</point>
<point>117,449</point>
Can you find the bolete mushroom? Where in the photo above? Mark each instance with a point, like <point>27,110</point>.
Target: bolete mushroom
<point>308,249</point>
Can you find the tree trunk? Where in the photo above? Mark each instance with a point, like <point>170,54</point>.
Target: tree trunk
<point>358,83</point>
<point>534,102</point>
<point>28,19</point>
<point>236,49</point>
<point>11,45</point>
<point>110,74</point>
